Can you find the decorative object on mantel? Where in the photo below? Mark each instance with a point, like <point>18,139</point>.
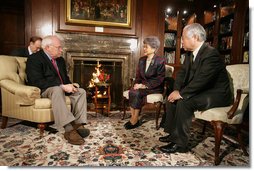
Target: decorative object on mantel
<point>100,13</point>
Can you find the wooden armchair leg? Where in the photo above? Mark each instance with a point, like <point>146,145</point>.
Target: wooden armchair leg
<point>240,140</point>
<point>124,108</point>
<point>164,108</point>
<point>204,128</point>
<point>218,131</point>
<point>4,122</point>
<point>42,127</point>
<point>157,115</point>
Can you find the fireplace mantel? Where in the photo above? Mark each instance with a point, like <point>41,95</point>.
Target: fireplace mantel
<point>100,48</point>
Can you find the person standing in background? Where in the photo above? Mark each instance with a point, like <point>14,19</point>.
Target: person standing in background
<point>34,46</point>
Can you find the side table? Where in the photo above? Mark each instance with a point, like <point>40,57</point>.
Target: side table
<point>102,97</point>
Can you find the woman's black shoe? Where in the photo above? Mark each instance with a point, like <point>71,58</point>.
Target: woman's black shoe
<point>128,125</point>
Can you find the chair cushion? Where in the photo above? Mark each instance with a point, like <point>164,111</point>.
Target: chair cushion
<point>151,98</point>
<point>239,78</point>
<point>45,103</point>
<point>126,94</point>
<point>220,113</point>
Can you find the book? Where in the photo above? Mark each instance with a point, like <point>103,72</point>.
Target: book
<point>226,43</point>
<point>170,40</point>
<point>227,59</point>
<point>170,57</point>
<point>246,57</point>
<point>226,26</point>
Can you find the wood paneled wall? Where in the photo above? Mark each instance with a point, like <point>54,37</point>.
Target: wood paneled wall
<point>44,17</point>
<point>12,33</point>
<point>39,18</point>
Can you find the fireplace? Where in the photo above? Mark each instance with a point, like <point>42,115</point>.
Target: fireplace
<point>116,54</point>
<point>83,73</point>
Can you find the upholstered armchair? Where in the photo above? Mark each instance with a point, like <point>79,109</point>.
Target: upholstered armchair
<point>155,100</point>
<point>19,100</point>
<point>231,115</point>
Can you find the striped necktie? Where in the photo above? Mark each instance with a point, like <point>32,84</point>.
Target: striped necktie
<point>56,68</point>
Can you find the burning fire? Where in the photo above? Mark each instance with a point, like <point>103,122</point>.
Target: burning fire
<point>99,76</point>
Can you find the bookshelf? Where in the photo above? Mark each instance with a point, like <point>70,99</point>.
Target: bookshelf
<point>170,35</point>
<point>246,39</point>
<point>210,24</point>
<point>226,21</point>
<point>226,29</point>
<point>174,23</point>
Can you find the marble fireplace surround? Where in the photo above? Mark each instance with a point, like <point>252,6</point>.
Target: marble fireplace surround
<point>100,48</point>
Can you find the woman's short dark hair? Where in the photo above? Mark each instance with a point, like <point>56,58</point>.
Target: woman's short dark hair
<point>152,41</point>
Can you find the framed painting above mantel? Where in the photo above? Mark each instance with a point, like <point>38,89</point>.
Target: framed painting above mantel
<point>111,13</point>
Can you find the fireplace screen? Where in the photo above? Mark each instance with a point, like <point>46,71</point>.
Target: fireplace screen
<point>83,73</point>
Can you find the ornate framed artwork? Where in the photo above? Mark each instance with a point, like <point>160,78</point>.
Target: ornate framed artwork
<point>99,12</point>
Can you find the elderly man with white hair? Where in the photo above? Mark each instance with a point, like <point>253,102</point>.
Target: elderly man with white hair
<point>46,69</point>
<point>201,83</point>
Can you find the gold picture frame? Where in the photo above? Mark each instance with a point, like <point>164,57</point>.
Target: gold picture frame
<point>116,13</point>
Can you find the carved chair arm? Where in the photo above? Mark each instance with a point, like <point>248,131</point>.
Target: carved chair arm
<point>165,89</point>
<point>168,86</point>
<point>231,112</point>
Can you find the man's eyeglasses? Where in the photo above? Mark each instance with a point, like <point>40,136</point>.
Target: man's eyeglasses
<point>58,47</point>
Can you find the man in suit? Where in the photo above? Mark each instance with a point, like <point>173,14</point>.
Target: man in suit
<point>34,46</point>
<point>150,76</point>
<point>201,83</point>
<point>46,69</point>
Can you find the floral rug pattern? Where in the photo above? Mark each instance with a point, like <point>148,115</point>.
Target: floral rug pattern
<point>109,144</point>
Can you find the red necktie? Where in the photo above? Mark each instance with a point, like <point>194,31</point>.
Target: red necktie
<point>55,66</point>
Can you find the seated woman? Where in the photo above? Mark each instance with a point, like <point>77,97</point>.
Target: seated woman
<point>149,79</point>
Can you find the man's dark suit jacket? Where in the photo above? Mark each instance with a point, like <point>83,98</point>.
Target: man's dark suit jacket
<point>154,77</point>
<point>206,76</point>
<point>41,72</point>
<point>23,52</point>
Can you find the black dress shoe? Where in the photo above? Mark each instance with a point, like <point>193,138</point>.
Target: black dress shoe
<point>162,125</point>
<point>165,138</point>
<point>173,148</point>
<point>128,125</point>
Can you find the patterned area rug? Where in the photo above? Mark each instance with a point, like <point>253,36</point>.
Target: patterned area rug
<point>109,144</point>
